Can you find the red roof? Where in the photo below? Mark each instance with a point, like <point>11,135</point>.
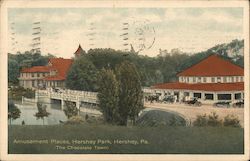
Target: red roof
<point>239,86</point>
<point>62,66</point>
<point>213,65</point>
<point>36,69</point>
<point>79,51</point>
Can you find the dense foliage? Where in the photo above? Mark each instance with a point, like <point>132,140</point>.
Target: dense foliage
<point>70,109</point>
<point>120,94</point>
<point>152,70</point>
<point>16,93</point>
<point>18,61</point>
<point>13,111</point>
<point>108,95</point>
<point>42,112</point>
<point>130,92</point>
<point>82,75</point>
<point>157,118</point>
<point>213,120</point>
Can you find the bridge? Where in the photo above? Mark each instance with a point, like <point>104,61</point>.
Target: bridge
<point>79,97</point>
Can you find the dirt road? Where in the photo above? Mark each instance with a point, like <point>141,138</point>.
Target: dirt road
<point>191,112</point>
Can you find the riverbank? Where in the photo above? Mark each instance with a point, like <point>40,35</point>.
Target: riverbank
<point>84,139</point>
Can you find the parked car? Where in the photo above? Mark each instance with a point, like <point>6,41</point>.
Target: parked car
<point>239,103</point>
<point>193,101</point>
<point>168,99</point>
<point>222,104</point>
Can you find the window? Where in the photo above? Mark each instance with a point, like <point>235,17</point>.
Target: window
<point>38,74</point>
<point>198,95</point>
<point>204,79</point>
<point>241,79</point>
<point>199,79</point>
<point>225,79</point>
<point>237,96</point>
<point>33,83</point>
<point>232,79</point>
<point>194,79</point>
<point>219,79</point>
<point>44,74</point>
<point>237,79</point>
<point>209,96</point>
<point>224,96</point>
<point>213,79</point>
<point>32,74</point>
<point>187,79</point>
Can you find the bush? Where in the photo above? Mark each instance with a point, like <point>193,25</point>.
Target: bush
<point>201,120</point>
<point>75,120</point>
<point>17,92</point>
<point>231,120</point>
<point>210,120</point>
<point>213,120</point>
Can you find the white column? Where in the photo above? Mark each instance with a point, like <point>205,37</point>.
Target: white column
<point>202,96</point>
<point>232,97</point>
<point>62,104</point>
<point>215,97</point>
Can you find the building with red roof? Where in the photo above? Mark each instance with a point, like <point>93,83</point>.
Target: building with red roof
<point>212,79</point>
<point>52,75</point>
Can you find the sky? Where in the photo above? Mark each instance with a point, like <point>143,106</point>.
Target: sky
<point>146,29</point>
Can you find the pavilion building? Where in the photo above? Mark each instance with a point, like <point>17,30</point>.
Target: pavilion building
<point>52,75</point>
<point>212,79</point>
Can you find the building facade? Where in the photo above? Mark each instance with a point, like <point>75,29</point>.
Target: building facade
<point>52,75</point>
<point>212,79</point>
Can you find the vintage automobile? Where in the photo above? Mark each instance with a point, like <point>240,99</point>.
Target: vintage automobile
<point>239,103</point>
<point>222,104</point>
<point>193,101</point>
<point>168,99</point>
<point>152,98</point>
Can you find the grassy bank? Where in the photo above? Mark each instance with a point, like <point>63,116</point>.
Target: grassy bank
<point>153,140</point>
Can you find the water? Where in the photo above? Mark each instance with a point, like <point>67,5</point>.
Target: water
<point>28,112</point>
<point>28,115</point>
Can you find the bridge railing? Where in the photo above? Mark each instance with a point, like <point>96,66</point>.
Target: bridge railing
<point>85,96</point>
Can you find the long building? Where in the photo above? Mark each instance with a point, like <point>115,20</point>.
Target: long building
<point>52,75</point>
<point>212,79</point>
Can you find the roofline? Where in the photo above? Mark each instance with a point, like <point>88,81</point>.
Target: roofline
<point>158,88</point>
<point>178,74</point>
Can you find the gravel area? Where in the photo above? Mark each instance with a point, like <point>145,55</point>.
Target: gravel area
<point>190,112</point>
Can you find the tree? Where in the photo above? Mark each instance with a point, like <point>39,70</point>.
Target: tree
<point>13,71</point>
<point>70,109</point>
<point>130,92</point>
<point>13,111</point>
<point>24,60</point>
<point>82,75</point>
<point>108,95</point>
<point>42,112</point>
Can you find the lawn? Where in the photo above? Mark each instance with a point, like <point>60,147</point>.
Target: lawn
<point>131,140</point>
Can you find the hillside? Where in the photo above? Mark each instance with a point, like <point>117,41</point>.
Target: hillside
<point>152,70</point>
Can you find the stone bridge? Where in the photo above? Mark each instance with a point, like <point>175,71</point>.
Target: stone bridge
<point>79,97</point>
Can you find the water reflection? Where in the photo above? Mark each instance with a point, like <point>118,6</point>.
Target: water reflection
<point>28,112</point>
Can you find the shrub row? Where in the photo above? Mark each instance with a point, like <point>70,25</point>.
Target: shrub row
<point>213,120</point>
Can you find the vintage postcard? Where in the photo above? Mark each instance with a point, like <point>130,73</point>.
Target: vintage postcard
<point>124,80</point>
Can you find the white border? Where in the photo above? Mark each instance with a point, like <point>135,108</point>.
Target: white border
<point>119,4</point>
